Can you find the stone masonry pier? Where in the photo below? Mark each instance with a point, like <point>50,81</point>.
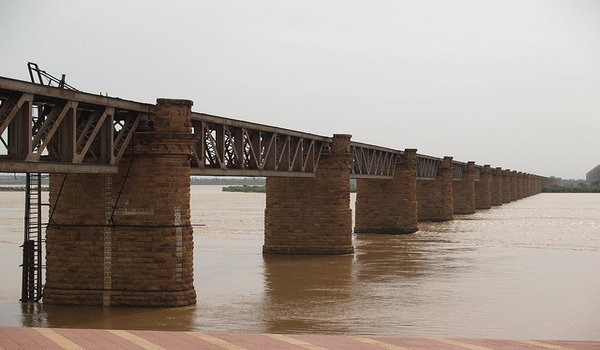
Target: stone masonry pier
<point>312,215</point>
<point>483,194</point>
<point>435,201</point>
<point>463,191</point>
<point>126,239</point>
<point>389,206</point>
<point>496,187</point>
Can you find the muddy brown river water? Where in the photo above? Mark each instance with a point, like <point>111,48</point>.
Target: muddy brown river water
<point>528,269</point>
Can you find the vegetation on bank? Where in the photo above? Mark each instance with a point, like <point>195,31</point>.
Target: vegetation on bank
<point>259,188</point>
<point>245,188</point>
<point>227,181</point>
<point>580,188</point>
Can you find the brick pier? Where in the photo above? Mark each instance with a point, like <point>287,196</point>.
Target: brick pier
<point>463,191</point>
<point>483,195</point>
<point>507,189</point>
<point>312,215</point>
<point>126,239</point>
<point>496,187</point>
<point>389,206</point>
<point>435,201</point>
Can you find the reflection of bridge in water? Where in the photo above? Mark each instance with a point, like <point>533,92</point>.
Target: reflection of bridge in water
<point>119,231</point>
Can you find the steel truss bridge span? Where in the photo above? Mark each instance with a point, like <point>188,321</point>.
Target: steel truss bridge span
<point>53,130</point>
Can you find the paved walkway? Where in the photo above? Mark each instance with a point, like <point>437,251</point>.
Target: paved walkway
<point>65,338</point>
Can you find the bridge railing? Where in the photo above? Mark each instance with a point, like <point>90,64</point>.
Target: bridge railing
<point>48,129</point>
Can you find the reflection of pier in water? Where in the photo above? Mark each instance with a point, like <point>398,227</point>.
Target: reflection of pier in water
<point>307,293</point>
<point>98,317</point>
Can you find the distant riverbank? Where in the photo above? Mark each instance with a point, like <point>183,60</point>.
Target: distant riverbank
<point>245,188</point>
<point>572,189</point>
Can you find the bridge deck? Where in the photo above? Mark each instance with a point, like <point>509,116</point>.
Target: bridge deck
<point>63,338</point>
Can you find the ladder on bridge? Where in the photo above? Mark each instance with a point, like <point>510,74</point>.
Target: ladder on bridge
<point>33,265</point>
<point>33,242</point>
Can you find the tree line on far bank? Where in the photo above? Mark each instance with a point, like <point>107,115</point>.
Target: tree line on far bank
<point>259,188</point>
<point>572,189</point>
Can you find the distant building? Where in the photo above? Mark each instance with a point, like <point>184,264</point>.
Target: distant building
<point>593,176</point>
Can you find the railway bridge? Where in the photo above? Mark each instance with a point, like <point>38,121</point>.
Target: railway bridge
<point>119,229</point>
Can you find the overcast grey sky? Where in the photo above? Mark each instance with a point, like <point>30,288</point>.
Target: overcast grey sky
<point>511,83</point>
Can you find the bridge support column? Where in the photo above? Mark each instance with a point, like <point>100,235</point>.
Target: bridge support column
<point>539,185</point>
<point>389,206</point>
<point>483,196</point>
<point>519,185</point>
<point>507,186</point>
<point>434,196</point>
<point>312,215</point>
<point>514,195</point>
<point>463,191</point>
<point>496,187</point>
<point>532,185</point>
<point>126,239</point>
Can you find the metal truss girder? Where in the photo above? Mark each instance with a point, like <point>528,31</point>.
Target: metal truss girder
<point>18,86</point>
<point>74,131</point>
<point>373,162</point>
<point>47,129</point>
<point>226,145</point>
<point>458,169</point>
<point>427,166</point>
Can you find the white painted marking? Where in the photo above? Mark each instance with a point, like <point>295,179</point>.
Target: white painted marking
<point>60,340</point>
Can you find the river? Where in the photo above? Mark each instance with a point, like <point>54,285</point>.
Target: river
<point>529,269</point>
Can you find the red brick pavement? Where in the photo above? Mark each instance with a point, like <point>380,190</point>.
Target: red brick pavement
<point>72,339</point>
